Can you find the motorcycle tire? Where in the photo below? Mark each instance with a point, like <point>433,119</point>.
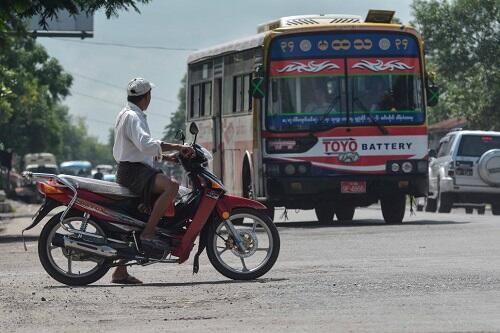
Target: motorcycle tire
<point>250,275</point>
<point>53,271</point>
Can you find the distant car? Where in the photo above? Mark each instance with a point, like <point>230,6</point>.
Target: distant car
<point>465,171</point>
<point>76,168</point>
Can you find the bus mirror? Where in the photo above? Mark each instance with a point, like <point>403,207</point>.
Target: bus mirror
<point>258,87</point>
<point>193,128</point>
<point>432,93</point>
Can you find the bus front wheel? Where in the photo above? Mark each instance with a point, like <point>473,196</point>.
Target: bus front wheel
<point>393,208</point>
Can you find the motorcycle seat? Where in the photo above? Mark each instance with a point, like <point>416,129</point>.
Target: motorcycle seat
<point>98,186</point>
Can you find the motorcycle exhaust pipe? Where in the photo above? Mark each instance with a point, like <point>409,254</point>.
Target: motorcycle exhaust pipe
<point>101,250</point>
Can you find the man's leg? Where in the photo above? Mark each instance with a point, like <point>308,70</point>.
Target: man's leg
<point>167,189</point>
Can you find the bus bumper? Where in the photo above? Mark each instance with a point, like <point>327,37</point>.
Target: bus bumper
<point>308,192</point>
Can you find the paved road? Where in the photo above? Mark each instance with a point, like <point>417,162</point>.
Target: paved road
<point>434,273</point>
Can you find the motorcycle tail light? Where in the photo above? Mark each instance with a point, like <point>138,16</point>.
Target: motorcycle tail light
<point>45,188</point>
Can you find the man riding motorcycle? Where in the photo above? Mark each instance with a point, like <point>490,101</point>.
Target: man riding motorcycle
<point>135,152</point>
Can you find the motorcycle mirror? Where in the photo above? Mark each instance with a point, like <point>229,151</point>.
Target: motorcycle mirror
<point>193,128</point>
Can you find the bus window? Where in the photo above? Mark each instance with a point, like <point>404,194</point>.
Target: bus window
<point>237,94</point>
<point>241,93</point>
<point>206,105</point>
<point>195,101</point>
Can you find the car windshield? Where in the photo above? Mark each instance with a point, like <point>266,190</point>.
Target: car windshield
<point>477,145</point>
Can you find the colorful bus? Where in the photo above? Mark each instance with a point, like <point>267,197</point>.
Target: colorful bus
<point>324,112</point>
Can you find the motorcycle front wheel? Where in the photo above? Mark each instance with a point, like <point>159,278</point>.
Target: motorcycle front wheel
<point>258,252</point>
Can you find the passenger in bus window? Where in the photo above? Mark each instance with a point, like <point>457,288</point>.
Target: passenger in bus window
<point>319,97</point>
<point>377,94</point>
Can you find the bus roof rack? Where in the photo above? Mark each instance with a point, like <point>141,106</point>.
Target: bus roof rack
<point>308,20</point>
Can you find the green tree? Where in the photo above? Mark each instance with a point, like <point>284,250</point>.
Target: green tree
<point>463,43</point>
<point>178,118</point>
<point>32,84</point>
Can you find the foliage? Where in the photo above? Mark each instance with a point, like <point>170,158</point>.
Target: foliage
<point>463,43</point>
<point>178,118</point>
<point>32,84</point>
<point>12,11</point>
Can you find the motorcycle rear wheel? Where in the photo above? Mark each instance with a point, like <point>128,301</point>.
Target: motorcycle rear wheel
<point>45,249</point>
<point>238,264</point>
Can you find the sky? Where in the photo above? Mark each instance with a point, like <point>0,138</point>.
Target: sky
<point>101,72</point>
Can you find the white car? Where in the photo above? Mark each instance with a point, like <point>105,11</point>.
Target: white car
<point>465,170</point>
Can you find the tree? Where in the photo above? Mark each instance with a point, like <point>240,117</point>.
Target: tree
<point>178,118</point>
<point>463,43</point>
<point>11,12</point>
<point>32,84</point>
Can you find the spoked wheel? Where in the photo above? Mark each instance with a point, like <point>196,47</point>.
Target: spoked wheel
<point>259,250</point>
<point>65,265</point>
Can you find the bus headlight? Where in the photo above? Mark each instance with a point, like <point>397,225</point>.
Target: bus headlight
<point>302,168</point>
<point>395,167</point>
<point>289,169</point>
<point>407,167</point>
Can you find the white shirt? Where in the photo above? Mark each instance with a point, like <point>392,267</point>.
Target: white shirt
<point>133,141</point>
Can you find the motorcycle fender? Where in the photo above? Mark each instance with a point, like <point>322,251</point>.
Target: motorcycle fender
<point>47,206</point>
<point>227,203</point>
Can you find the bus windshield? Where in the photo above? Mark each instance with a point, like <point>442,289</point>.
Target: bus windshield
<point>354,84</point>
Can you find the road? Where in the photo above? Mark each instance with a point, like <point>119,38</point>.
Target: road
<point>434,273</point>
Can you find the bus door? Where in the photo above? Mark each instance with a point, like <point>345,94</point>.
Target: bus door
<point>217,128</point>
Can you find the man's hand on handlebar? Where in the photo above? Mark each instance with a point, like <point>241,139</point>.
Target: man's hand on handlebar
<point>187,152</point>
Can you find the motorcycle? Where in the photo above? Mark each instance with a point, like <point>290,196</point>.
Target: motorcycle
<point>100,226</point>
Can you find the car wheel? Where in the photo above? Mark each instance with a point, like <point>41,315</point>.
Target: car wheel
<point>495,209</point>
<point>444,202</point>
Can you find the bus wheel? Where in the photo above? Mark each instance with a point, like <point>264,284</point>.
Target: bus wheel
<point>393,208</point>
<point>324,214</point>
<point>345,213</point>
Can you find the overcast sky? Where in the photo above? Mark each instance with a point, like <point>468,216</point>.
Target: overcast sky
<point>102,72</point>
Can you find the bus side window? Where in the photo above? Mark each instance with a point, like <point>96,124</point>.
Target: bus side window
<point>195,101</point>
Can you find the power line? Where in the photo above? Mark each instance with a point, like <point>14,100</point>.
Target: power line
<point>151,47</point>
<point>113,103</point>
<point>114,85</point>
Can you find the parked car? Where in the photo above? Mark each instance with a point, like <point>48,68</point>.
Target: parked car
<point>465,171</point>
<point>76,168</point>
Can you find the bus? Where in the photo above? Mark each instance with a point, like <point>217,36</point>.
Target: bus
<point>323,112</point>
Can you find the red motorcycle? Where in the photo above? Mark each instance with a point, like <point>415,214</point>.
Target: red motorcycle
<point>101,224</point>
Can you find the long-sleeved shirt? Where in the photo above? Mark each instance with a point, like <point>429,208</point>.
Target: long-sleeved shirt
<point>133,141</point>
